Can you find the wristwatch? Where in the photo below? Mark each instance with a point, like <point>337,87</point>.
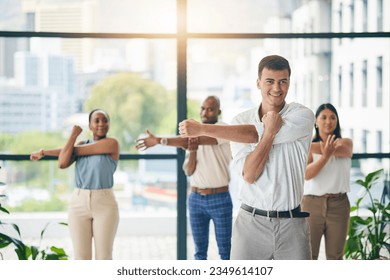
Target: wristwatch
<point>164,141</point>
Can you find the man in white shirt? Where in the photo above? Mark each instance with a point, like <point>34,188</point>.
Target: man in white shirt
<point>270,148</point>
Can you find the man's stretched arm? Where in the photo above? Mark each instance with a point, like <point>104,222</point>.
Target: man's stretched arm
<point>180,142</point>
<point>236,133</point>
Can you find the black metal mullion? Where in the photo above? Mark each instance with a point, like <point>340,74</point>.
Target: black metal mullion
<point>181,115</point>
<point>193,35</point>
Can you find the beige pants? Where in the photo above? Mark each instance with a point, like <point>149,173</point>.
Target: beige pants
<point>329,217</point>
<point>93,214</point>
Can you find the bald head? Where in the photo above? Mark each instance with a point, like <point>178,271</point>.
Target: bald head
<point>214,99</point>
<point>210,109</point>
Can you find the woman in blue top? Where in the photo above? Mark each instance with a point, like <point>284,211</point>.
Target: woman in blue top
<point>93,210</point>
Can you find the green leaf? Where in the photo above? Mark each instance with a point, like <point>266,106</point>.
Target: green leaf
<point>3,210</point>
<point>4,243</point>
<point>16,228</point>
<point>362,183</point>
<point>373,177</point>
<point>58,251</point>
<point>18,243</point>
<point>34,252</point>
<point>44,229</point>
<point>358,201</point>
<point>23,252</point>
<point>353,208</point>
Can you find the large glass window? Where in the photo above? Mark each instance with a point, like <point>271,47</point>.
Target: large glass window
<point>50,84</point>
<point>126,57</point>
<point>114,16</point>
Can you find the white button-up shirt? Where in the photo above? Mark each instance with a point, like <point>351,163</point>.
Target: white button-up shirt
<point>280,185</point>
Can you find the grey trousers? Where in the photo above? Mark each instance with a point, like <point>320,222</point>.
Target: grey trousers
<point>260,238</point>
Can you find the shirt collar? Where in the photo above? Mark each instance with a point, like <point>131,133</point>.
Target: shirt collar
<point>257,117</point>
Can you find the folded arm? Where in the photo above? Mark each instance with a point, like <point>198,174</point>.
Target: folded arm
<point>108,146</point>
<point>66,156</point>
<point>341,147</point>
<point>256,160</point>
<point>189,165</point>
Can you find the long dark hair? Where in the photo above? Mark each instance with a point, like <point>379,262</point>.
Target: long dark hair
<point>337,130</point>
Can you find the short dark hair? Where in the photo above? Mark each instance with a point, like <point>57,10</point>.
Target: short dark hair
<point>337,130</point>
<point>95,110</point>
<point>274,62</point>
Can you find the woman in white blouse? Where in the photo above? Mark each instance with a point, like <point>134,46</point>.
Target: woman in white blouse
<point>327,183</point>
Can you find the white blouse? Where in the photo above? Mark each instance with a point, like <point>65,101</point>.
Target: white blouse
<point>333,177</point>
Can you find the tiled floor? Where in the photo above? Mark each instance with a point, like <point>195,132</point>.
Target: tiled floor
<point>132,247</point>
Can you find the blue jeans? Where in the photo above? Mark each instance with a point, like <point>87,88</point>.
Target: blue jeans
<point>218,208</point>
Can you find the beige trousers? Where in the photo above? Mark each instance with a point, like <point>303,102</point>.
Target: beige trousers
<point>329,217</point>
<point>93,214</point>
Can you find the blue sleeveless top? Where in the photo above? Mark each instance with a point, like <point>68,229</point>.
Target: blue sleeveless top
<point>95,172</point>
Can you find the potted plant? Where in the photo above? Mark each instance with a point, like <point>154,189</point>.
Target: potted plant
<point>26,252</point>
<point>369,234</point>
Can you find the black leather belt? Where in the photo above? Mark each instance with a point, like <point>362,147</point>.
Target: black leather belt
<point>295,213</point>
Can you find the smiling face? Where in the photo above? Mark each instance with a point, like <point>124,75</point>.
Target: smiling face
<point>274,86</point>
<point>326,122</point>
<point>99,124</point>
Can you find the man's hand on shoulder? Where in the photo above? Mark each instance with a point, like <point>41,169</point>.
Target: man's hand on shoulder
<point>272,122</point>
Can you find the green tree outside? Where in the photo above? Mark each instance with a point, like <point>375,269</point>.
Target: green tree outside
<point>134,105</point>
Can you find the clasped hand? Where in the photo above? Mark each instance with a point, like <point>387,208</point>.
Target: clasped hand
<point>189,128</point>
<point>272,122</point>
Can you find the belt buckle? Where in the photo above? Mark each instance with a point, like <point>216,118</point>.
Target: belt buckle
<point>199,191</point>
<point>272,214</point>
